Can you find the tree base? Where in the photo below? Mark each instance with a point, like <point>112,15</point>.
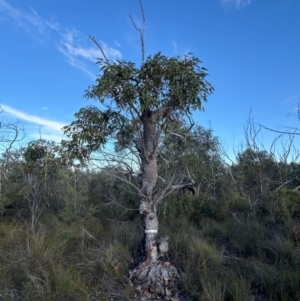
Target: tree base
<point>157,281</point>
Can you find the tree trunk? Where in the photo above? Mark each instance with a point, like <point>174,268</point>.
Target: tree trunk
<point>149,177</point>
<point>155,278</point>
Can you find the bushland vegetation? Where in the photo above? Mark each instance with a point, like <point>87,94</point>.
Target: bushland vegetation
<point>214,227</point>
<point>72,232</point>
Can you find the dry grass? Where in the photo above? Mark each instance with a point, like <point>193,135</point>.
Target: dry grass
<point>245,256</point>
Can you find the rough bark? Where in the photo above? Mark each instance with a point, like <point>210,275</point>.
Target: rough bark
<point>149,177</point>
<point>155,278</point>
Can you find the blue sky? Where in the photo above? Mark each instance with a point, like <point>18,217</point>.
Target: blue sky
<point>250,47</point>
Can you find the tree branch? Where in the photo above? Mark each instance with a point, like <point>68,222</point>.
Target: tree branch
<point>178,135</point>
<point>140,30</point>
<point>281,132</point>
<point>162,112</point>
<point>100,47</point>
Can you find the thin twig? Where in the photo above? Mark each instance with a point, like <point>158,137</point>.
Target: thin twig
<point>85,231</point>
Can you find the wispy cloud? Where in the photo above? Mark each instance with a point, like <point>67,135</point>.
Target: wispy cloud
<point>33,11</point>
<point>48,124</point>
<point>77,50</point>
<point>27,21</point>
<point>75,61</point>
<point>53,25</point>
<point>71,40</point>
<point>77,53</point>
<point>235,3</point>
<point>175,48</point>
<point>178,51</point>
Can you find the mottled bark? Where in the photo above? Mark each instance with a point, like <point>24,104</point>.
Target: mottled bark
<point>156,278</point>
<point>149,177</point>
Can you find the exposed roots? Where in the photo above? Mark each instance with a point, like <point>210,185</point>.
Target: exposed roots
<point>157,281</point>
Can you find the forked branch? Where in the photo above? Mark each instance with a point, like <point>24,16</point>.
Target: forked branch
<point>141,30</point>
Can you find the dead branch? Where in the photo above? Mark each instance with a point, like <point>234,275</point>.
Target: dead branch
<point>10,134</point>
<point>100,47</point>
<point>281,132</point>
<point>166,190</point>
<point>141,30</point>
<point>287,148</point>
<point>191,122</point>
<point>178,135</point>
<point>296,188</point>
<point>284,185</point>
<point>181,186</point>
<point>118,204</point>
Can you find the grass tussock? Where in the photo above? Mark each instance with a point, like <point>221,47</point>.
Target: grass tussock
<point>249,255</point>
<point>69,262</point>
<point>242,244</point>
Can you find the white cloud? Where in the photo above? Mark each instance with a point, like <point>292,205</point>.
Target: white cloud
<point>72,44</point>
<point>75,62</point>
<point>4,6</point>
<point>23,19</point>
<point>236,3</point>
<point>37,127</point>
<point>52,25</point>
<point>175,48</point>
<point>33,11</point>
<point>77,53</point>
<point>44,108</point>
<point>72,49</point>
<point>49,124</point>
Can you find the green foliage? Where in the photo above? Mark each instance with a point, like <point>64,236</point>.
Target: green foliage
<point>34,181</point>
<point>90,131</point>
<point>160,81</point>
<point>192,155</point>
<point>236,237</point>
<point>228,247</point>
<point>112,195</point>
<point>257,174</point>
<point>240,205</point>
<point>289,202</point>
<point>232,241</point>
<point>162,87</point>
<point>64,261</point>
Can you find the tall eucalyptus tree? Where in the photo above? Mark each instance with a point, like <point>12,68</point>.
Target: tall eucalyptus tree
<point>139,104</point>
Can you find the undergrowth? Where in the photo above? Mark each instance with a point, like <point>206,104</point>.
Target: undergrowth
<point>246,253</point>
